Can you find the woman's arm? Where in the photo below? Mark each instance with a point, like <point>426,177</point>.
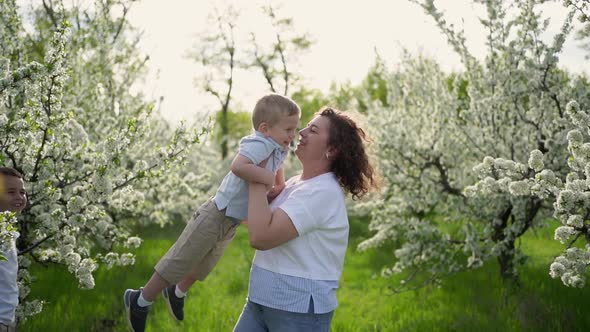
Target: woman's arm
<point>266,229</point>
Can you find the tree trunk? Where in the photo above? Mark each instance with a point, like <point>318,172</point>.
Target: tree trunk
<point>506,257</point>
<point>224,134</point>
<point>506,261</point>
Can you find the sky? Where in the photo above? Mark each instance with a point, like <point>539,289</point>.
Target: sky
<point>346,35</point>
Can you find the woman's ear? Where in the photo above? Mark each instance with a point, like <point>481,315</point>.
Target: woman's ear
<point>331,153</point>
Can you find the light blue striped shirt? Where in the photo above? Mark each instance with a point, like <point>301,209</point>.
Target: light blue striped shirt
<point>8,284</point>
<point>289,293</point>
<point>232,194</point>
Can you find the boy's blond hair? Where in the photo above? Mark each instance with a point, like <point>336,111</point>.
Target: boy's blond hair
<point>271,108</point>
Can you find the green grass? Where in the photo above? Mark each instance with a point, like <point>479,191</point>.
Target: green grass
<point>471,301</point>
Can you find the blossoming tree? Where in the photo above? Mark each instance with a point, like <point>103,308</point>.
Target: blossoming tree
<point>435,128</point>
<point>570,195</point>
<point>95,157</point>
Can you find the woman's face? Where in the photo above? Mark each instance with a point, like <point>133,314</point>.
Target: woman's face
<point>313,139</point>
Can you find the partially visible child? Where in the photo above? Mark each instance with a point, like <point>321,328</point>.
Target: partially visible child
<point>194,254</point>
<point>13,198</point>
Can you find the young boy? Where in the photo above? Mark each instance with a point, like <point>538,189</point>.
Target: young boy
<point>194,254</point>
<point>13,198</point>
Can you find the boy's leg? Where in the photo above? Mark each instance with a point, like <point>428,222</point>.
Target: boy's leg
<point>153,287</point>
<point>136,315</point>
<point>196,240</point>
<point>174,299</point>
<point>201,271</point>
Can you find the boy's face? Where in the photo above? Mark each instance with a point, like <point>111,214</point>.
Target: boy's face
<point>283,132</point>
<point>13,196</point>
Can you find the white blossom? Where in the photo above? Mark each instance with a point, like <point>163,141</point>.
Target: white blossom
<point>72,259</point>
<point>556,270</point>
<point>86,281</point>
<point>111,259</point>
<point>575,221</point>
<point>575,138</point>
<point>519,188</point>
<point>563,233</point>
<point>127,259</point>
<point>536,160</point>
<point>76,204</point>
<point>133,242</point>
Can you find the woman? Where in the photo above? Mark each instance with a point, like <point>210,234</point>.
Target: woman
<point>301,237</point>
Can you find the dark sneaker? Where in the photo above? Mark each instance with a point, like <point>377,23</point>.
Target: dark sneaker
<point>136,315</point>
<point>175,304</point>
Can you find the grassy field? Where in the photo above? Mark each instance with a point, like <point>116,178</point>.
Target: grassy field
<point>476,301</point>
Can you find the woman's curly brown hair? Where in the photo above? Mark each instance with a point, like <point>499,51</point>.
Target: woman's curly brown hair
<point>351,164</point>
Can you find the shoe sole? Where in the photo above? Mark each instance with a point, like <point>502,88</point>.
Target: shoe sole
<point>126,300</point>
<point>165,294</point>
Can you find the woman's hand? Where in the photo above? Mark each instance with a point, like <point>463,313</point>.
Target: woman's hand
<point>269,181</point>
<point>274,192</point>
<point>266,229</point>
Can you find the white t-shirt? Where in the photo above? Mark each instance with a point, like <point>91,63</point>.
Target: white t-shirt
<point>317,209</point>
<point>8,285</point>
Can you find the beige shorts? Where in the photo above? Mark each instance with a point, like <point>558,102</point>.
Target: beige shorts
<point>200,245</point>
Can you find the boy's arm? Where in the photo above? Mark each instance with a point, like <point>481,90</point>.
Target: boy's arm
<point>246,170</point>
